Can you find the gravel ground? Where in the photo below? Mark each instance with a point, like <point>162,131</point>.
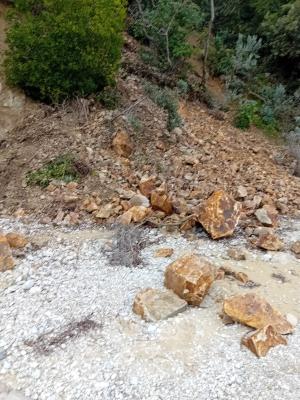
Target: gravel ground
<point>67,330</point>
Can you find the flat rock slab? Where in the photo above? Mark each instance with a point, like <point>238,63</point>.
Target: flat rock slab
<point>154,304</point>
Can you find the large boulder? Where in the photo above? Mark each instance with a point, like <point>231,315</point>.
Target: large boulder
<point>154,304</point>
<point>190,277</point>
<point>220,215</point>
<point>251,310</point>
<point>262,340</point>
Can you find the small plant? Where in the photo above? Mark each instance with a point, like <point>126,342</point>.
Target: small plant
<point>135,122</point>
<point>166,99</point>
<point>109,97</point>
<point>62,168</point>
<point>127,245</point>
<point>245,115</point>
<point>182,87</point>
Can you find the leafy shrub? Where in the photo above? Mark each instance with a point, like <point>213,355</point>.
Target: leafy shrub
<point>165,26</point>
<point>182,87</point>
<point>245,115</point>
<point>109,97</point>
<point>167,100</point>
<point>220,57</point>
<point>257,113</point>
<point>62,168</point>
<point>246,55</point>
<point>64,48</point>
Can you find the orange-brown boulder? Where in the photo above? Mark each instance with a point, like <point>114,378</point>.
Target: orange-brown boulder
<point>190,277</point>
<point>134,214</point>
<point>262,340</point>
<point>161,201</point>
<point>6,259</point>
<point>251,310</point>
<point>147,185</point>
<point>16,240</point>
<point>122,144</point>
<point>220,215</point>
<point>270,242</point>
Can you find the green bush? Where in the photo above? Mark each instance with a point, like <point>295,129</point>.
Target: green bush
<point>109,97</point>
<point>64,48</point>
<point>165,26</point>
<point>245,115</point>
<point>62,168</point>
<point>166,99</point>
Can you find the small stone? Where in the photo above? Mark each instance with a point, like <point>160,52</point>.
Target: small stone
<point>254,311</point>
<point>122,144</point>
<point>16,240</point>
<point>164,252</point>
<point>28,285</point>
<point>263,230</point>
<point>296,248</point>
<point>220,215</point>
<point>104,212</point>
<point>161,201</point>
<point>147,185</point>
<point>239,276</point>
<point>35,290</point>
<point>134,214</point>
<point>7,261</point>
<point>267,215</point>
<point>154,304</point>
<point>236,254</point>
<point>270,242</point>
<point>262,340</point>
<point>139,200</point>
<point>190,277</point>
<point>242,192</point>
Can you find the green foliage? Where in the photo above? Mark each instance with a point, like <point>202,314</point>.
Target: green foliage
<point>64,48</point>
<point>282,32</point>
<point>220,57</point>
<point>244,61</point>
<point>135,122</point>
<point>277,22</point>
<point>182,87</point>
<point>165,26</point>
<point>166,99</point>
<point>251,112</point>
<point>109,97</point>
<point>245,115</point>
<point>62,169</point>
